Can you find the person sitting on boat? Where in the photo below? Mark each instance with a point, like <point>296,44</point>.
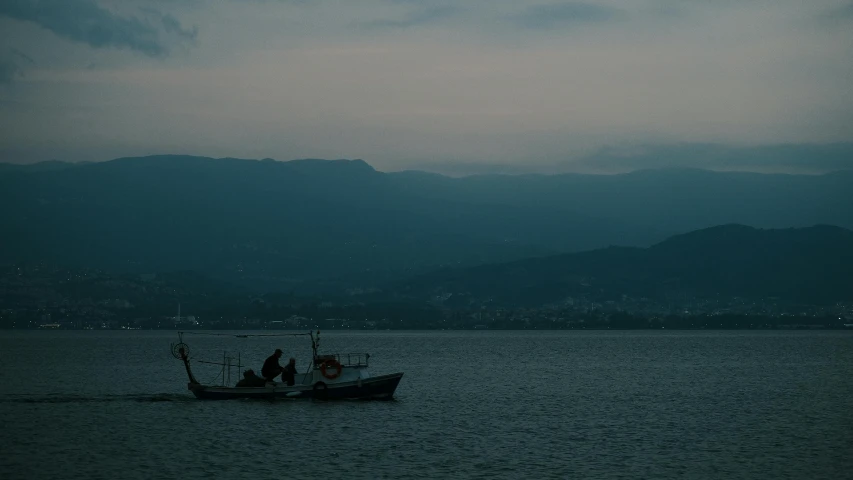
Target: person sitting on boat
<point>250,379</point>
<point>271,368</point>
<point>289,372</point>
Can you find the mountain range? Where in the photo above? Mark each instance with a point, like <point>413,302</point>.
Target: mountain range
<point>314,225</point>
<point>812,265</point>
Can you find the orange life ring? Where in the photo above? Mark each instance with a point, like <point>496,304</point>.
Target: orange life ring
<point>331,363</point>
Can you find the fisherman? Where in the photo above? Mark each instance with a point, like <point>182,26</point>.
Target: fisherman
<point>289,372</point>
<point>250,379</point>
<point>271,368</point>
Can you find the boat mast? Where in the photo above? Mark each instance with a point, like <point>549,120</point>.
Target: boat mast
<point>315,343</point>
<point>181,350</point>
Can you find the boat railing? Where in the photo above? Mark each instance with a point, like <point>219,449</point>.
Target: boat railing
<point>345,359</point>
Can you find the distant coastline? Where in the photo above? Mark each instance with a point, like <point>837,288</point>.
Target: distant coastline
<point>603,323</point>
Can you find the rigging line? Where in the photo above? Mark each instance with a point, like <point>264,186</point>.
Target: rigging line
<point>211,363</point>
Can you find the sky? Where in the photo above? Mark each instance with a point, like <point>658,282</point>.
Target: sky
<point>464,86</point>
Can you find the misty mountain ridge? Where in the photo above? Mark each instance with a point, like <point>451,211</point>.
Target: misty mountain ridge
<point>783,159</point>
<point>309,223</point>
<point>812,265</point>
<point>803,158</point>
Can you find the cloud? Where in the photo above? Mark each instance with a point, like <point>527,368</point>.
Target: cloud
<point>567,13</point>
<point>800,158</point>
<point>172,25</point>
<point>422,17</point>
<point>795,158</point>
<point>87,22</point>
<point>8,71</point>
<point>458,168</point>
<point>11,65</point>
<point>837,16</point>
<point>522,84</point>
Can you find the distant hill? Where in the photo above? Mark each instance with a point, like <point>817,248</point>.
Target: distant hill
<point>272,224</point>
<point>46,166</point>
<point>812,265</point>
<point>318,224</point>
<point>663,202</point>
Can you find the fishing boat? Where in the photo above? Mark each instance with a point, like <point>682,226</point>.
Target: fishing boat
<point>328,377</point>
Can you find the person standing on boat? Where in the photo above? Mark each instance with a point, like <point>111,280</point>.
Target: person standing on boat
<point>271,368</point>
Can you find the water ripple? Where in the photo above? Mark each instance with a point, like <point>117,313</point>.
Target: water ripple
<point>472,405</point>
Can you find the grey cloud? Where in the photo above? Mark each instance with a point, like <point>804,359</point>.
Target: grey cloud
<point>87,22</point>
<point>489,81</point>
<point>422,17</point>
<point>8,71</point>
<point>270,2</point>
<point>22,56</point>
<point>11,65</point>
<point>838,15</point>
<point>787,158</point>
<point>172,25</point>
<point>462,169</point>
<point>566,13</point>
<point>792,157</point>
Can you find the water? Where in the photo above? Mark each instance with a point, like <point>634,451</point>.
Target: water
<point>645,404</point>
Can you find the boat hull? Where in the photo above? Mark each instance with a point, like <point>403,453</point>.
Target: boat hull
<point>373,388</point>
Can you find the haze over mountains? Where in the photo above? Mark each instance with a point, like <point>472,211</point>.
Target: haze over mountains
<point>778,158</point>
<point>314,224</point>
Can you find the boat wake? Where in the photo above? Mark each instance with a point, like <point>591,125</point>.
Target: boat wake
<point>147,398</point>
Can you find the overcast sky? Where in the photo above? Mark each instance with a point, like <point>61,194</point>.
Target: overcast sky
<point>420,83</point>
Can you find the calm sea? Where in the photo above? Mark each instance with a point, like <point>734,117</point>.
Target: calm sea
<point>754,405</point>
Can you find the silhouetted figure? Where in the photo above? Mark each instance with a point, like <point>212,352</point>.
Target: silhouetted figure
<point>289,372</point>
<point>250,379</point>
<point>271,368</point>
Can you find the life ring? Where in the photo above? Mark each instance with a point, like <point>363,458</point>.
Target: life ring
<point>331,363</point>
